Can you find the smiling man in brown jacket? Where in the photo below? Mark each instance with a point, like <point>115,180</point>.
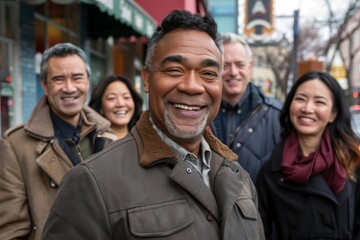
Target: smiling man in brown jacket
<point>60,133</point>
<point>169,178</point>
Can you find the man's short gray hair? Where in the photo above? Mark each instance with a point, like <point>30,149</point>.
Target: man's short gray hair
<point>230,37</point>
<point>61,50</point>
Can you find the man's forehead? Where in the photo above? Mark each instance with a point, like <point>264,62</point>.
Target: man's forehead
<point>183,41</point>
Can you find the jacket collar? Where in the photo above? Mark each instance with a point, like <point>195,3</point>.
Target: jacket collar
<point>40,124</point>
<point>154,149</point>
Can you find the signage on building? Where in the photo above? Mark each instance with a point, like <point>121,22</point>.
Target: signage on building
<point>337,69</point>
<point>258,19</point>
<point>338,72</point>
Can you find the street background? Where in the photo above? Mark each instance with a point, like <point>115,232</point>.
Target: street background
<point>288,38</point>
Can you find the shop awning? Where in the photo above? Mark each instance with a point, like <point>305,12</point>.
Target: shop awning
<point>126,12</point>
<point>117,18</point>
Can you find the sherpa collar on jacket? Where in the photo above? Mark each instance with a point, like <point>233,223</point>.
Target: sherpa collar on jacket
<point>154,148</point>
<point>40,124</point>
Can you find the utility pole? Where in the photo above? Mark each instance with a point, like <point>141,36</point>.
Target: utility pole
<point>296,31</point>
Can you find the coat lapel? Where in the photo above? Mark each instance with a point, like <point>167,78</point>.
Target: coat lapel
<point>153,150</point>
<point>227,185</point>
<point>194,184</point>
<point>50,162</point>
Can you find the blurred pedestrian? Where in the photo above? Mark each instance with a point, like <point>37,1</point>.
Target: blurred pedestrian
<point>169,178</point>
<point>310,188</point>
<point>248,121</point>
<point>60,133</point>
<point>117,101</point>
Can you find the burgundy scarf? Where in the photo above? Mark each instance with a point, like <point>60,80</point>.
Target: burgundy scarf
<point>299,169</point>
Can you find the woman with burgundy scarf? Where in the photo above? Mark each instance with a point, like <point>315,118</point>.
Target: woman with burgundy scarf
<point>310,187</point>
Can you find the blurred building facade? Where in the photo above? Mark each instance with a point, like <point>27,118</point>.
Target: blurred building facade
<point>158,9</point>
<point>226,14</point>
<point>113,33</point>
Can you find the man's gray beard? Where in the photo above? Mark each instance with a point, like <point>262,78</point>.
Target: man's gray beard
<point>173,130</point>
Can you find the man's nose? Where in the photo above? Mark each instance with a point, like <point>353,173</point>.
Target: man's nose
<point>69,85</point>
<point>191,84</point>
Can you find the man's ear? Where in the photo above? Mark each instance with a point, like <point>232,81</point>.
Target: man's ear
<point>44,87</point>
<point>251,66</point>
<point>145,77</point>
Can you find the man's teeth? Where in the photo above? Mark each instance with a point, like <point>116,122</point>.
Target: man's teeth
<point>68,98</point>
<point>189,108</point>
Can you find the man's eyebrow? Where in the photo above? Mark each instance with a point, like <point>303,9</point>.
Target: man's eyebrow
<point>77,74</point>
<point>210,63</point>
<point>181,59</point>
<point>172,58</point>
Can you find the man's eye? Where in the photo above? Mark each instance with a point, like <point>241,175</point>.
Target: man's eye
<point>78,77</point>
<point>240,65</point>
<point>173,71</point>
<point>210,75</point>
<point>58,80</point>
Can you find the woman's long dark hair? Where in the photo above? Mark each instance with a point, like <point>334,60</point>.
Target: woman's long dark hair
<point>98,92</point>
<point>344,140</point>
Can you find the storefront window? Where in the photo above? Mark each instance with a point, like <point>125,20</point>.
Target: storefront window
<point>56,23</point>
<point>98,60</point>
<point>7,28</point>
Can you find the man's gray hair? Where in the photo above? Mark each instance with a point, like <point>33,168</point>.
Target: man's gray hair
<point>61,50</point>
<point>230,37</point>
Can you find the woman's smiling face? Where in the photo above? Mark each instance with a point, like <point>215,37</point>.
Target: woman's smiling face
<point>312,108</point>
<point>118,105</point>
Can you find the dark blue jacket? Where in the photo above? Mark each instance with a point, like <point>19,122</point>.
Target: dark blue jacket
<point>257,135</point>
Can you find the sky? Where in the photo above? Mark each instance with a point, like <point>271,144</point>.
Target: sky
<point>309,10</point>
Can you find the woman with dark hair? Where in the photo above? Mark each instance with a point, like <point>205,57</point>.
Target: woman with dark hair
<point>117,100</point>
<point>309,189</point>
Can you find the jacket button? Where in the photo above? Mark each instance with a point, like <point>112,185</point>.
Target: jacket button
<point>52,184</point>
<point>210,217</point>
<point>238,145</point>
<point>188,170</point>
<point>250,130</point>
<point>34,228</point>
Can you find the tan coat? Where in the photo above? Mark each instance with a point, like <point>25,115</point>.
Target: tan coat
<point>32,165</point>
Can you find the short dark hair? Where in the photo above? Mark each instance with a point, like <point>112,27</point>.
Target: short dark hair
<point>61,50</point>
<point>98,92</point>
<point>182,19</point>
